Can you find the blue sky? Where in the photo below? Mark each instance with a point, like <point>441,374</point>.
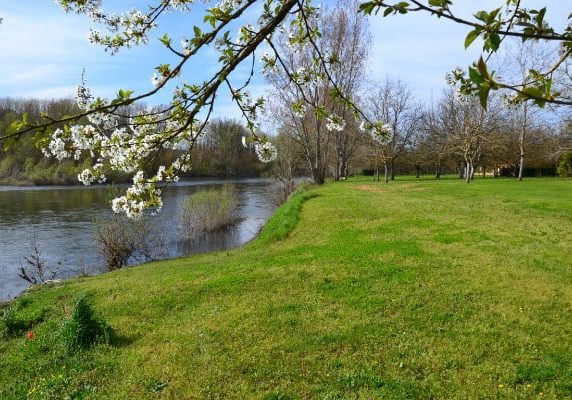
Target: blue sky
<point>43,51</point>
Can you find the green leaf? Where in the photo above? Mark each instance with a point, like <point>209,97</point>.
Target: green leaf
<point>471,37</point>
<point>492,15</point>
<point>484,90</point>
<point>482,67</point>
<point>482,16</point>
<point>533,92</point>
<point>165,40</point>
<point>494,41</point>
<point>475,76</point>
<point>197,31</point>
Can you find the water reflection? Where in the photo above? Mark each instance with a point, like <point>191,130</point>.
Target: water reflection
<point>60,220</point>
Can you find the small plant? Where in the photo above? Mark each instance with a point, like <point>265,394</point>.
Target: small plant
<point>37,270</point>
<point>84,328</point>
<point>207,211</point>
<point>11,324</point>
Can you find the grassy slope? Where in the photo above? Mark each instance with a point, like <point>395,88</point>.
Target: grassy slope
<point>416,289</point>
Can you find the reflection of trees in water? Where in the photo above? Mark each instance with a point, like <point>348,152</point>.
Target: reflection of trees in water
<point>220,239</point>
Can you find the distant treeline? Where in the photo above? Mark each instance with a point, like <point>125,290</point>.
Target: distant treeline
<point>218,153</point>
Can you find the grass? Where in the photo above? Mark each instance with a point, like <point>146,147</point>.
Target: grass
<point>418,289</point>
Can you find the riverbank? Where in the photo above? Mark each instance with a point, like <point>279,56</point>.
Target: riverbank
<point>416,289</point>
<point>61,222</point>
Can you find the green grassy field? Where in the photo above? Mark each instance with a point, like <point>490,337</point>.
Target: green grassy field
<point>420,289</point>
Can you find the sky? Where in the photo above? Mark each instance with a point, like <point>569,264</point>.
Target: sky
<point>43,51</point>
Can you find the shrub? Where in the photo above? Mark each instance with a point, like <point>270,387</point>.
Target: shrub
<point>84,328</point>
<point>208,210</point>
<point>118,239</point>
<point>565,165</point>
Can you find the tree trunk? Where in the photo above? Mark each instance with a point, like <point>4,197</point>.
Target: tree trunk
<point>417,169</point>
<point>392,170</point>
<point>386,172</point>
<point>521,142</point>
<point>468,171</point>
<point>343,169</point>
<point>484,171</point>
<point>438,170</point>
<point>521,158</point>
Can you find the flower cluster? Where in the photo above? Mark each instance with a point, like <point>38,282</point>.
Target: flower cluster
<point>454,76</point>
<point>265,151</point>
<point>378,130</point>
<point>299,109</point>
<point>91,175</point>
<point>269,63</point>
<point>335,123</point>
<point>126,30</point>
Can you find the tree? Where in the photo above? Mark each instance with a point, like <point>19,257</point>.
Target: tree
<point>320,123</point>
<point>468,127</point>
<point>520,58</point>
<point>392,102</point>
<point>565,165</point>
<point>433,143</point>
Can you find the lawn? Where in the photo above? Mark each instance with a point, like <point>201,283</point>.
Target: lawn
<point>418,289</point>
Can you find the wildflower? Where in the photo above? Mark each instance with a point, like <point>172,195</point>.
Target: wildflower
<point>30,335</point>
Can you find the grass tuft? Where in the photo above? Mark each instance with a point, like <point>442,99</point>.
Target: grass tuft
<point>84,328</point>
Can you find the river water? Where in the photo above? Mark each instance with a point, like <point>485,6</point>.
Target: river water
<point>60,221</point>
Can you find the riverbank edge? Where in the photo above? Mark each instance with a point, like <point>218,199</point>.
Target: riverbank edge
<point>280,224</point>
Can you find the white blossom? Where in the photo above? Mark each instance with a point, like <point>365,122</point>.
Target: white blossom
<point>335,123</point>
<point>266,152</point>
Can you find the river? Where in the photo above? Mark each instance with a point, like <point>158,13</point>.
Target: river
<point>60,221</point>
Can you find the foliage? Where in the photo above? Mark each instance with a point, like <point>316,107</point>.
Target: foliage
<point>208,210</point>
<point>220,152</point>
<point>565,165</point>
<point>126,139</point>
<point>84,328</point>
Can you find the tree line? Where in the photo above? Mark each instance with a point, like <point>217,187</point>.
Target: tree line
<point>454,134</point>
<point>219,153</point>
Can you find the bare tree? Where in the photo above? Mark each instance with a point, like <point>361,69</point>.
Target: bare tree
<point>433,143</point>
<point>300,110</point>
<point>469,129</point>
<point>520,58</point>
<point>392,102</point>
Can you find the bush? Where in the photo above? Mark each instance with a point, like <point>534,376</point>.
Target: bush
<point>565,165</point>
<point>208,210</point>
<point>84,328</point>
<point>119,239</point>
